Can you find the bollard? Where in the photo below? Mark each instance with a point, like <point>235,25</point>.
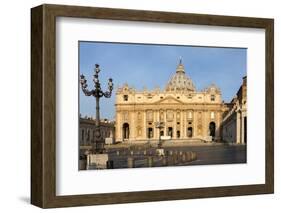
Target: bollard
<point>144,152</point>
<point>132,152</point>
<point>183,158</point>
<point>150,161</point>
<point>175,159</point>
<point>164,161</point>
<point>171,152</point>
<point>187,154</point>
<point>130,162</point>
<point>193,156</point>
<point>110,164</point>
<point>117,153</point>
<point>178,158</point>
<point>170,161</point>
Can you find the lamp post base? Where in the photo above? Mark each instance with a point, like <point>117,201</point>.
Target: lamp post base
<point>98,148</point>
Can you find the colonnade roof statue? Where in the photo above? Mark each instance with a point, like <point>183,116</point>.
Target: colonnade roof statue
<point>180,81</point>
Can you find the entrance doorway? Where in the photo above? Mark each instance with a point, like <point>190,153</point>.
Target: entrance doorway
<point>212,129</point>
<point>178,134</point>
<point>126,131</point>
<point>150,132</point>
<point>189,132</point>
<point>170,131</point>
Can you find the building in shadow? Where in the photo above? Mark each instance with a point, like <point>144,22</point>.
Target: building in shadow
<point>234,123</point>
<point>87,128</point>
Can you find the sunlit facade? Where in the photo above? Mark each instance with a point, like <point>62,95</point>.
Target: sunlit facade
<point>187,114</point>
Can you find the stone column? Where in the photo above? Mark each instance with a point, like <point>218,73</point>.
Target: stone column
<point>238,127</point>
<point>165,121</point>
<point>154,119</point>
<point>205,123</point>
<point>184,126</point>
<point>132,123</point>
<point>117,127</point>
<point>181,124</point>
<point>242,128</point>
<point>195,123</point>
<point>144,125</point>
<point>218,122</point>
<point>175,124</point>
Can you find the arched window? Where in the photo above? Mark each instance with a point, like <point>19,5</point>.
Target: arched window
<point>189,132</point>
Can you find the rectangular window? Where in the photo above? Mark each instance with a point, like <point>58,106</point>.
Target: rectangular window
<point>213,97</point>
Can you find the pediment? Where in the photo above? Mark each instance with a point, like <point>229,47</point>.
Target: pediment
<point>169,100</point>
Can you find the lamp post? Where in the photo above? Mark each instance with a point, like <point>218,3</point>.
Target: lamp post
<point>159,125</point>
<point>98,145</point>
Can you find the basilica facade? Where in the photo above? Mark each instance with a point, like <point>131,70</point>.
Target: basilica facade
<point>185,114</point>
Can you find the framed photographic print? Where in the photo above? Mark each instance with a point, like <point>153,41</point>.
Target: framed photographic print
<point>137,106</point>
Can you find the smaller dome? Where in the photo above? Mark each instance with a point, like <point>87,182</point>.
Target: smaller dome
<point>212,89</point>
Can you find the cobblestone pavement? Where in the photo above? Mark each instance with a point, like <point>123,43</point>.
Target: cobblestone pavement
<point>145,155</point>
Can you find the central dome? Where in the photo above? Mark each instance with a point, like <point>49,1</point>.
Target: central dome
<point>180,81</point>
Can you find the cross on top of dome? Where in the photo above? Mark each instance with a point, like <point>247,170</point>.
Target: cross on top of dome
<point>180,68</point>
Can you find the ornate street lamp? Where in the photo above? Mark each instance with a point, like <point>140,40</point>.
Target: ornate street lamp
<point>98,145</point>
<point>159,125</point>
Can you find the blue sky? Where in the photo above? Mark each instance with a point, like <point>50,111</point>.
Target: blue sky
<point>142,65</point>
